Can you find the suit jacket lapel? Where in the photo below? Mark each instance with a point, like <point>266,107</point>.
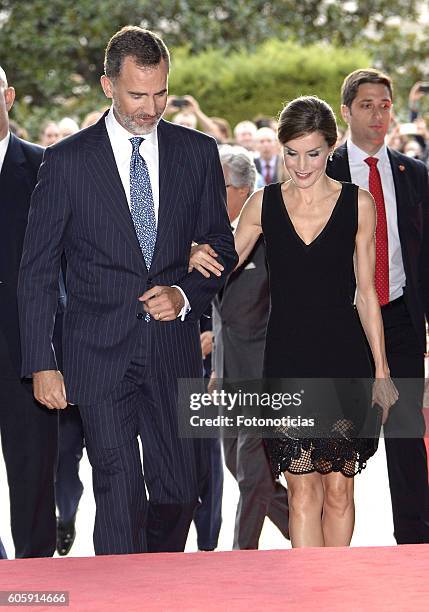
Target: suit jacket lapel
<point>400,180</point>
<point>13,171</point>
<point>170,180</point>
<point>102,167</point>
<point>339,168</point>
<point>403,191</point>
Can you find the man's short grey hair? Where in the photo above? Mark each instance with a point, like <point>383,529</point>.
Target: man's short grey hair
<point>240,165</point>
<point>3,78</point>
<point>245,126</point>
<point>265,132</point>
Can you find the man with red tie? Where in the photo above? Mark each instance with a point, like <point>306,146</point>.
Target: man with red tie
<point>399,186</point>
<point>269,164</point>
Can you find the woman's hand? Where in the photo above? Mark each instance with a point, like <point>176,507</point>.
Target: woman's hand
<point>384,394</point>
<point>203,259</point>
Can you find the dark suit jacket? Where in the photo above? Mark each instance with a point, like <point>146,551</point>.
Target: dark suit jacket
<point>280,173</point>
<point>410,178</point>
<point>240,316</point>
<point>17,180</point>
<point>79,206</point>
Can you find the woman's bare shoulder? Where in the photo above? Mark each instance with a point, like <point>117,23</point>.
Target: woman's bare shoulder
<point>256,197</point>
<point>254,202</point>
<point>365,200</point>
<point>366,209</point>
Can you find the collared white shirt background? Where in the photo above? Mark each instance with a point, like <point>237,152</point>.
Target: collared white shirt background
<point>122,149</point>
<point>4,143</point>
<point>359,171</point>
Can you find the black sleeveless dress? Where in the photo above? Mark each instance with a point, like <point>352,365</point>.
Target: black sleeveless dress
<point>314,333</point>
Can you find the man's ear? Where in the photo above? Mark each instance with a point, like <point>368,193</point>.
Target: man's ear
<point>345,113</point>
<point>106,84</point>
<point>9,96</point>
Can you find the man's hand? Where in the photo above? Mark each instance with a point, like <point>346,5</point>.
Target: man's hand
<point>203,259</point>
<point>162,303</point>
<point>49,389</point>
<point>415,95</point>
<point>170,107</point>
<point>206,343</point>
<point>192,105</point>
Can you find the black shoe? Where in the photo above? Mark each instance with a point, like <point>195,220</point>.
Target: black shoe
<point>66,533</point>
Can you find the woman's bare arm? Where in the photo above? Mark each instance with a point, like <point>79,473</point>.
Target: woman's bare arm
<point>203,257</point>
<point>249,227</point>
<point>367,300</point>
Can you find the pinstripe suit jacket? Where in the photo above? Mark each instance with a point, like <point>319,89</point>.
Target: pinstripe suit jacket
<point>79,207</point>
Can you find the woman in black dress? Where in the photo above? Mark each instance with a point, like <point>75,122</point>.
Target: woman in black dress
<point>318,232</point>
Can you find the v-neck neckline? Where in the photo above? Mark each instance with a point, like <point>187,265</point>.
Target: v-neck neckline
<point>324,228</point>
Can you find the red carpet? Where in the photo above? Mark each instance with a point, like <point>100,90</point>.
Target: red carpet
<point>364,579</point>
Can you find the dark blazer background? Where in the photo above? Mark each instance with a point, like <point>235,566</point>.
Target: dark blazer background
<point>280,173</point>
<point>404,430</point>
<point>80,201</point>
<point>410,178</point>
<point>28,430</point>
<point>240,315</point>
<point>17,180</point>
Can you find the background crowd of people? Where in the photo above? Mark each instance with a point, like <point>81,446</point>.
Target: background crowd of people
<point>255,134</point>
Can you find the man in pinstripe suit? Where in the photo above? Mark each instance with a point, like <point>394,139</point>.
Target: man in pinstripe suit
<point>124,199</point>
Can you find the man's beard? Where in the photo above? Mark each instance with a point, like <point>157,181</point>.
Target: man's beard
<point>129,121</point>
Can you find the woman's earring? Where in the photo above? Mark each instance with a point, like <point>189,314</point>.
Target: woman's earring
<point>331,156</point>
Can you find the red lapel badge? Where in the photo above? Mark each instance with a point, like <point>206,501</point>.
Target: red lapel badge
<point>402,168</point>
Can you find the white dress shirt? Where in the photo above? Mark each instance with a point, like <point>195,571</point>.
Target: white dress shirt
<point>359,171</point>
<point>4,143</point>
<point>122,149</point>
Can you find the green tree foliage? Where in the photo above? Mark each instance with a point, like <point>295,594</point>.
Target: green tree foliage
<point>242,85</point>
<point>53,50</point>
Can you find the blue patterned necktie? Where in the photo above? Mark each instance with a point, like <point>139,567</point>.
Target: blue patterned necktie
<point>141,204</point>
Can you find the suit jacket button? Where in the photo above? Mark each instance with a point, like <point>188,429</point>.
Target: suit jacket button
<point>140,315</point>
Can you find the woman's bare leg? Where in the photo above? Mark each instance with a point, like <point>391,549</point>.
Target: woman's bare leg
<point>305,492</point>
<point>338,509</point>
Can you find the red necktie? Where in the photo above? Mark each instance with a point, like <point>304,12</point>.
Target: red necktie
<point>381,239</point>
<point>267,175</point>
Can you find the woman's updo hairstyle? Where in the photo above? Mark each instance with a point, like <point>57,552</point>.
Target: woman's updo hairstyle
<point>306,115</point>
